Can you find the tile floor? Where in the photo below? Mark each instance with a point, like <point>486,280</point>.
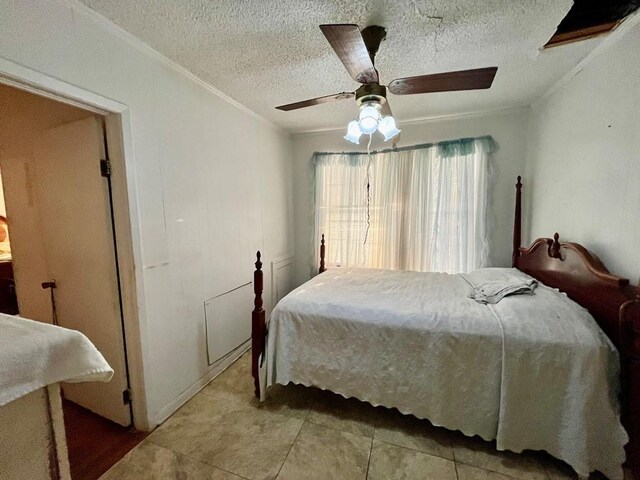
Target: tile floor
<point>303,433</point>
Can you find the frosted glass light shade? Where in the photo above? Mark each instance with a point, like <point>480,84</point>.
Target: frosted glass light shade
<point>369,118</point>
<point>353,132</point>
<point>388,128</point>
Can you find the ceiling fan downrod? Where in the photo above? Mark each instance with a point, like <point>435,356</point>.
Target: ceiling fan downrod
<point>373,35</point>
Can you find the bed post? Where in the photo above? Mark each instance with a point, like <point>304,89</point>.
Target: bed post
<point>258,326</point>
<point>517,224</point>
<point>322,268</point>
<point>633,402</point>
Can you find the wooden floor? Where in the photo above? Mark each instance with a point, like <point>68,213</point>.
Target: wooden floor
<point>95,443</point>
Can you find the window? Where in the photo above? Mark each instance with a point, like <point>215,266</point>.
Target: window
<point>426,208</point>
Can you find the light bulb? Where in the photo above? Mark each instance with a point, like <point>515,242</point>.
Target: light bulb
<point>353,132</point>
<point>369,118</point>
<point>388,128</point>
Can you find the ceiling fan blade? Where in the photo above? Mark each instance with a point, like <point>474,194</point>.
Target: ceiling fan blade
<point>349,45</point>
<point>316,101</point>
<point>475,79</point>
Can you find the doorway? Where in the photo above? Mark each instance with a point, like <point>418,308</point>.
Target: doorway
<point>63,254</point>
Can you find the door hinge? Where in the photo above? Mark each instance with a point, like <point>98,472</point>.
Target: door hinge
<point>105,168</point>
<point>126,396</point>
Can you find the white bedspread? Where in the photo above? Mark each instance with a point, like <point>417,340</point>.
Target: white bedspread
<point>533,371</point>
<point>34,355</point>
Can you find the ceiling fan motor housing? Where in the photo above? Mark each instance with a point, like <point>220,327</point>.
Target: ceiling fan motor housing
<point>371,92</point>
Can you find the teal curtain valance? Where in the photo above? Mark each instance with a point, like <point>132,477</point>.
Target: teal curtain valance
<point>447,148</point>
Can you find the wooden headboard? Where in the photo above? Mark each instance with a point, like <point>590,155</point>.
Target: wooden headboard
<point>581,275</point>
<point>612,301</point>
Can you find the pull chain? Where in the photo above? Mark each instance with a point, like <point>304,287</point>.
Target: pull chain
<point>366,233</point>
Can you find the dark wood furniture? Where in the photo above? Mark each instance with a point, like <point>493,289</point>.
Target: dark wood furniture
<point>322,267</point>
<point>8,299</point>
<point>258,325</point>
<point>612,301</point>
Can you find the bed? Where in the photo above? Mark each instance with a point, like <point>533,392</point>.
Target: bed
<point>417,342</point>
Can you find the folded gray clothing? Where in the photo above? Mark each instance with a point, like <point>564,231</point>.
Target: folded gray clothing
<point>490,285</point>
<point>481,296</point>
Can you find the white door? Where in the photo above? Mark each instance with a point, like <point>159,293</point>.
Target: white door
<point>75,216</point>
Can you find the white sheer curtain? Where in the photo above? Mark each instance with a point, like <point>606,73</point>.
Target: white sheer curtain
<point>427,207</point>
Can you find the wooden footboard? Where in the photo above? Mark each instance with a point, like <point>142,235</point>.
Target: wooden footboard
<point>258,325</point>
<point>631,391</point>
<point>258,322</point>
<point>322,267</point>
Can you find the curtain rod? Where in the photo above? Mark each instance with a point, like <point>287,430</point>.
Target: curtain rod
<point>420,146</point>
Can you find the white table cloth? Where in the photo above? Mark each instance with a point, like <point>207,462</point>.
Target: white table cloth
<point>35,354</point>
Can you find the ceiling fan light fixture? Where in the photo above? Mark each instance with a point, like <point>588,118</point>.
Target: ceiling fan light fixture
<point>388,128</point>
<point>353,132</point>
<point>369,117</point>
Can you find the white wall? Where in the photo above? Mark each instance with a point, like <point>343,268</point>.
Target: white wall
<point>197,157</point>
<point>583,175</point>
<point>508,129</point>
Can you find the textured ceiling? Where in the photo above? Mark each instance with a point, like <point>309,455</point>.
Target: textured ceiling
<point>264,53</point>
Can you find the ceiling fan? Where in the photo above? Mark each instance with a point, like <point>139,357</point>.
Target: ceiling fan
<point>357,50</point>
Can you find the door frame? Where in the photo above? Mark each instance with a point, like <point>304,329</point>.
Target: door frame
<point>117,118</point>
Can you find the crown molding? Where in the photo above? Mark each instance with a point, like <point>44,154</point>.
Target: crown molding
<point>146,49</point>
<point>431,119</point>
<point>611,39</point>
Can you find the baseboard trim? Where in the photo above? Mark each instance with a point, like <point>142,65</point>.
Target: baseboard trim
<point>216,369</point>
